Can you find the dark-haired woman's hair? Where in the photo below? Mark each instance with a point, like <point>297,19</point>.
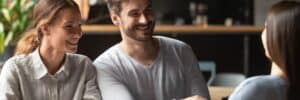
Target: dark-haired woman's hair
<point>44,12</point>
<point>283,30</point>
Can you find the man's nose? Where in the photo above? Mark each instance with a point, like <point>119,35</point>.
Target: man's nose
<point>143,19</point>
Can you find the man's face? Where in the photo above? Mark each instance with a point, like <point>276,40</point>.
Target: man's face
<point>136,20</point>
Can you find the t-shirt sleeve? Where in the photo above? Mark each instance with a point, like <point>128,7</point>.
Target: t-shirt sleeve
<point>247,90</point>
<point>195,83</point>
<point>111,88</point>
<point>9,84</point>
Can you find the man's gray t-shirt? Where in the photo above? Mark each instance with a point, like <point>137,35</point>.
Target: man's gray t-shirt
<point>174,74</point>
<point>261,88</point>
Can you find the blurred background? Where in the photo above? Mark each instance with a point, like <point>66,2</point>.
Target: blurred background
<point>240,12</point>
<point>224,34</point>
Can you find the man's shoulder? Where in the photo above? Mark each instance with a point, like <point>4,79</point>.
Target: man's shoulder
<point>112,51</point>
<point>167,41</point>
<point>108,55</point>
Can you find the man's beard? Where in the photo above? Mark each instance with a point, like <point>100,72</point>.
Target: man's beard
<point>148,30</point>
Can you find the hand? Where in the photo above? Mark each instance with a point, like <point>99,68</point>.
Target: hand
<point>196,97</point>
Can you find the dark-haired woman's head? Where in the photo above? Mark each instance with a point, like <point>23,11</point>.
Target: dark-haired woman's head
<point>281,40</point>
<point>282,26</point>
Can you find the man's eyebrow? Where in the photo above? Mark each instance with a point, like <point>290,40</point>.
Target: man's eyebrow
<point>149,5</point>
<point>134,10</point>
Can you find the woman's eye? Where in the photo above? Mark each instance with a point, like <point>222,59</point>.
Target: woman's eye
<point>68,27</point>
<point>135,14</point>
<point>79,25</point>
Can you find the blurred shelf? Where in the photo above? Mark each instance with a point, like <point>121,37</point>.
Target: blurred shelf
<point>185,29</point>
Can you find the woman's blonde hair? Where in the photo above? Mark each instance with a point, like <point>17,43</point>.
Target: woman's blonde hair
<point>28,43</point>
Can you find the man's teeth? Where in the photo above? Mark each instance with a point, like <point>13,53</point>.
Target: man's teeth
<point>72,43</point>
<point>143,27</point>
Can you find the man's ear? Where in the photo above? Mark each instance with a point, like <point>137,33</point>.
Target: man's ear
<point>114,18</point>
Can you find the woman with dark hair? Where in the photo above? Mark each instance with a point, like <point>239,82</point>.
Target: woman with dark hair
<point>281,42</point>
<point>48,69</point>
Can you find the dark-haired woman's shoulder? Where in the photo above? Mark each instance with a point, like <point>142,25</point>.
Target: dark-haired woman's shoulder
<point>265,87</point>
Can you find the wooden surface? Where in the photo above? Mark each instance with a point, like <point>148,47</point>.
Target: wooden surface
<point>217,93</point>
<point>188,29</point>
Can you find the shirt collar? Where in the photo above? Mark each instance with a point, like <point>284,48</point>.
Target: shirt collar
<point>66,67</point>
<point>40,69</point>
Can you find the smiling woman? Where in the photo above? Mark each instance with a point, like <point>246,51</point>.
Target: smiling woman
<point>50,69</point>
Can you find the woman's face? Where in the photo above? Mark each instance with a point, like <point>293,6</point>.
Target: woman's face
<point>65,31</point>
<point>264,42</point>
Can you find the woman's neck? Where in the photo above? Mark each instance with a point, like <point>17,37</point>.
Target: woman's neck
<point>53,59</point>
<point>278,71</point>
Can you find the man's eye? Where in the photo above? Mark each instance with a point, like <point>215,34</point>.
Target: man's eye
<point>134,14</point>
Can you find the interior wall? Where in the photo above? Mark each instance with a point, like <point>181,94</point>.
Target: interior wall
<point>261,8</point>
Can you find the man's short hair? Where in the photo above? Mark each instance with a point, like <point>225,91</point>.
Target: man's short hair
<point>115,5</point>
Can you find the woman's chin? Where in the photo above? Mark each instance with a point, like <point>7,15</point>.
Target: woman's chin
<point>72,50</point>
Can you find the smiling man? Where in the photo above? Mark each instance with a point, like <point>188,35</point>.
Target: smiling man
<point>143,66</point>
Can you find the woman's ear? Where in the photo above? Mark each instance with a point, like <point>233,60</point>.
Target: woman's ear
<point>114,18</point>
<point>44,28</point>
